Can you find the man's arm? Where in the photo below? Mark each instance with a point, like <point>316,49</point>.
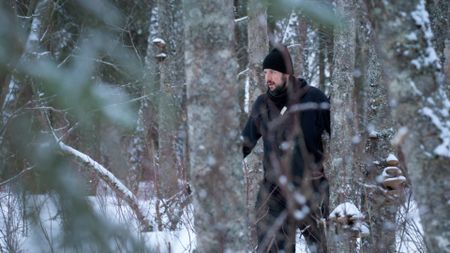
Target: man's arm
<point>250,135</point>
<point>251,132</point>
<point>326,116</point>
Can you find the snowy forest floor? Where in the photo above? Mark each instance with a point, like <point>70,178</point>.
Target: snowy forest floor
<point>44,235</point>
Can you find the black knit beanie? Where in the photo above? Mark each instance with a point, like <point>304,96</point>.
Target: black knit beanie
<point>274,60</point>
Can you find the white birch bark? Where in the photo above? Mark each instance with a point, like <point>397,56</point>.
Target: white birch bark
<point>32,51</point>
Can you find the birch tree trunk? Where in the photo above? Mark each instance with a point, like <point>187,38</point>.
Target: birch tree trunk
<point>258,47</point>
<point>420,107</point>
<point>344,173</point>
<point>19,93</point>
<point>32,48</point>
<point>241,47</point>
<point>170,100</point>
<point>213,117</point>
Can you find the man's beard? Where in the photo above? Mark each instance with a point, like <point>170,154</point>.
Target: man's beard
<point>277,88</point>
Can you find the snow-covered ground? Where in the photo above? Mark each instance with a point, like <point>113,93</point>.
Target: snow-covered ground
<point>45,235</point>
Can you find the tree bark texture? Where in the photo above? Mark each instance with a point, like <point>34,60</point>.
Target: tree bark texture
<point>439,14</point>
<point>376,203</point>
<point>214,134</point>
<point>420,108</point>
<point>150,106</point>
<point>302,44</point>
<point>258,47</point>
<point>172,87</point>
<point>344,174</point>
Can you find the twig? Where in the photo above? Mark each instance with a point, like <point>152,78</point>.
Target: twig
<point>243,72</point>
<point>134,47</point>
<point>241,19</point>
<point>272,232</point>
<point>16,176</point>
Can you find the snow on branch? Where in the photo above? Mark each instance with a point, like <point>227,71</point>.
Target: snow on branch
<point>241,19</point>
<point>102,171</point>
<point>112,182</point>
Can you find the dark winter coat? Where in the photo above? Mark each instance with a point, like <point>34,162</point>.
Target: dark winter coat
<point>282,139</point>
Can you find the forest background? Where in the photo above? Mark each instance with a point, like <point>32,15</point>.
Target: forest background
<point>120,121</point>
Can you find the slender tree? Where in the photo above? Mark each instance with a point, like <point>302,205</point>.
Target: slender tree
<point>171,95</point>
<point>258,47</point>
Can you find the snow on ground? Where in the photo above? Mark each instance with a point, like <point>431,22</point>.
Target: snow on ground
<point>408,237</point>
<point>41,236</point>
<point>31,238</point>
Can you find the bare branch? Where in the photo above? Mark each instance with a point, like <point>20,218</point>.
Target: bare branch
<point>16,176</point>
<point>114,183</point>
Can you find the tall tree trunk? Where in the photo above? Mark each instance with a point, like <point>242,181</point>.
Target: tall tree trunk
<point>420,107</point>
<point>446,67</point>
<point>136,151</point>
<point>258,47</point>
<point>322,53</point>
<point>344,172</point>
<point>19,94</point>
<point>213,110</point>
<point>151,88</point>
<point>41,19</point>
<point>137,158</point>
<point>10,39</point>
<point>241,47</point>
<point>171,96</point>
<point>381,208</point>
<point>301,62</point>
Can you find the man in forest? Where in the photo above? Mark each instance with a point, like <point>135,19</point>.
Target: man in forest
<point>290,117</point>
